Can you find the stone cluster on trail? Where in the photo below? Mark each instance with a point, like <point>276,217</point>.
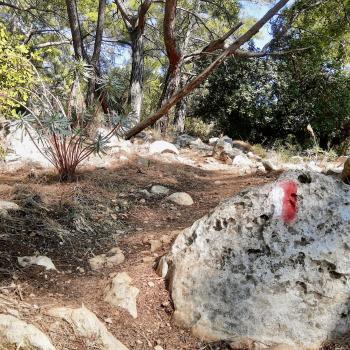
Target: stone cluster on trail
<point>220,153</point>
<point>269,266</point>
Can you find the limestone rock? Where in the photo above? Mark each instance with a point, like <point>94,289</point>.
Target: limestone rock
<point>181,198</point>
<point>40,260</point>
<point>242,161</point>
<point>6,205</point>
<point>269,165</point>
<point>282,347</point>
<point>155,244</point>
<point>241,145</point>
<point>122,294</point>
<point>23,335</point>
<point>224,152</point>
<point>113,258</point>
<point>270,265</point>
<point>199,145</point>
<point>346,172</point>
<point>86,324</point>
<point>162,267</point>
<point>213,141</point>
<point>22,149</point>
<point>159,190</point>
<point>162,147</point>
<point>185,140</point>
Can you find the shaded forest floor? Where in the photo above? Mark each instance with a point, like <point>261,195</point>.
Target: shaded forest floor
<point>102,209</point>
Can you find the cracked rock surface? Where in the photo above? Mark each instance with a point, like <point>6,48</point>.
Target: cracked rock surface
<point>250,272</point>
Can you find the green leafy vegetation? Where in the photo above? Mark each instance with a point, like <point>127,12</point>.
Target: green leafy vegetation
<point>16,74</point>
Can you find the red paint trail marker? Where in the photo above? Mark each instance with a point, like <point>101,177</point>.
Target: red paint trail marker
<point>290,201</point>
<point>285,200</point>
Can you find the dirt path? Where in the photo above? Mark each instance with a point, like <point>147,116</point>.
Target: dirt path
<point>72,222</point>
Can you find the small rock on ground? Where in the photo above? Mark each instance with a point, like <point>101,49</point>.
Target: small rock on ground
<point>113,258</point>
<point>155,245</point>
<point>122,294</point>
<point>159,190</point>
<point>40,260</point>
<point>181,198</point>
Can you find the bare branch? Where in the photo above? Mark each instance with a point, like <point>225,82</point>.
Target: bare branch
<point>126,15</point>
<point>215,44</point>
<point>250,54</point>
<point>52,43</point>
<point>218,44</point>
<point>189,87</point>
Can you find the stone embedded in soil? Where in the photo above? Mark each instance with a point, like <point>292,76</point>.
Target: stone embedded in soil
<point>113,258</point>
<point>87,325</point>
<point>155,245</point>
<point>5,206</point>
<point>181,198</point>
<point>162,147</point>
<point>242,161</point>
<point>159,190</point>
<point>23,335</point>
<point>281,347</point>
<point>40,260</point>
<point>122,294</point>
<point>270,265</point>
<point>269,165</point>
<point>158,347</point>
<point>148,259</point>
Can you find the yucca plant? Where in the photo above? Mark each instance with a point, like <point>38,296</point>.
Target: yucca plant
<point>59,130</point>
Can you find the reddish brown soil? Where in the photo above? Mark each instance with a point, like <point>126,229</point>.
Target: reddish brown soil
<point>71,222</point>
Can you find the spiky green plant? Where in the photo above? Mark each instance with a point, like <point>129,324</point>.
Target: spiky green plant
<point>59,129</point>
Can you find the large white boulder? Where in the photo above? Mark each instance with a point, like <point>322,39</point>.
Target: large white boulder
<point>22,335</point>
<point>21,148</point>
<point>268,266</point>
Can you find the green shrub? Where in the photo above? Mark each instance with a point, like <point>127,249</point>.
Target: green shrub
<point>259,150</point>
<point>198,128</point>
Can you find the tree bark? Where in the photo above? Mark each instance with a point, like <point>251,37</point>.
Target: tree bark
<point>136,27</point>
<point>188,88</point>
<point>180,114</point>
<point>172,79</point>
<point>136,77</point>
<point>74,24</point>
<point>92,83</point>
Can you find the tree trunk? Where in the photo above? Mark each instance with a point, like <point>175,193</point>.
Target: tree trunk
<point>180,113</point>
<point>74,24</point>
<point>172,83</point>
<point>136,27</point>
<point>180,116</point>
<point>172,79</point>
<point>136,77</point>
<point>92,84</point>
